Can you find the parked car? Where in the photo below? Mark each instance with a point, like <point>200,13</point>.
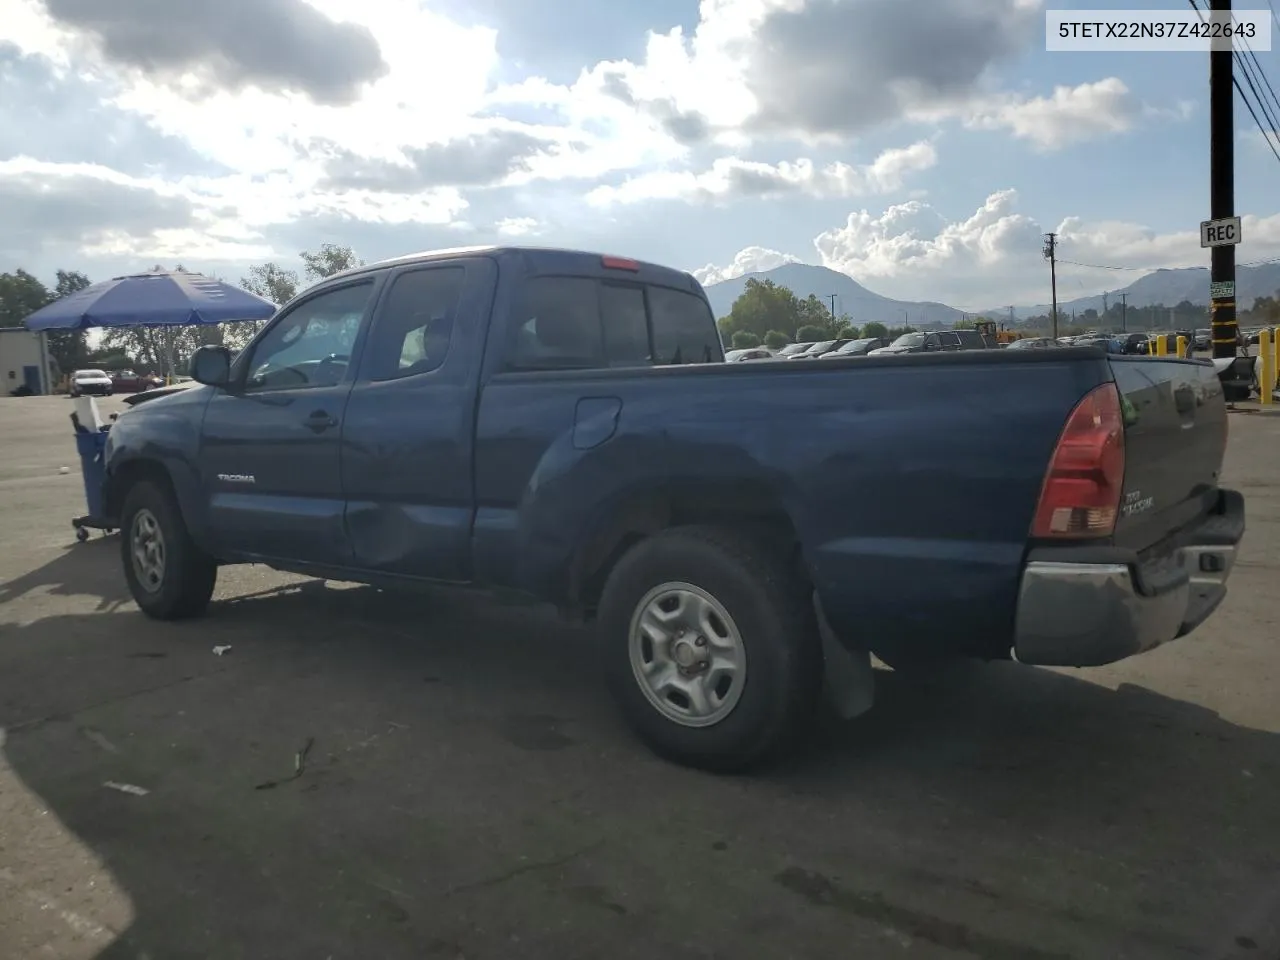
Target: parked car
<point>127,381</point>
<point>588,447</point>
<point>751,353</point>
<point>1035,343</point>
<point>944,340</point>
<point>1133,344</point>
<point>818,349</point>
<point>1107,344</point>
<point>86,383</point>
<point>1203,339</point>
<point>857,348</point>
<point>793,349</point>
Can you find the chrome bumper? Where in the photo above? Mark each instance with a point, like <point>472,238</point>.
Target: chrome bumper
<point>1089,614</point>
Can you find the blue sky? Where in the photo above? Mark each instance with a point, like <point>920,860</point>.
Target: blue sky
<point>921,146</point>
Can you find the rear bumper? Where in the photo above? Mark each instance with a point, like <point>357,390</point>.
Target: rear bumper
<point>1088,614</point>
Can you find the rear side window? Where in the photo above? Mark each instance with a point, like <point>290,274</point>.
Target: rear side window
<point>556,326</point>
<point>415,325</point>
<point>684,331</point>
<point>576,322</point>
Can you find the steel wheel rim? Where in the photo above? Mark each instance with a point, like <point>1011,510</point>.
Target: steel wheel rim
<point>146,548</point>
<point>687,654</point>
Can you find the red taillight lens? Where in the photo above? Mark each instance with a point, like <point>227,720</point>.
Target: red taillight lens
<point>620,263</point>
<point>1081,493</point>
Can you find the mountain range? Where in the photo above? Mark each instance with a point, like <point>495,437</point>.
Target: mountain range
<point>1167,287</point>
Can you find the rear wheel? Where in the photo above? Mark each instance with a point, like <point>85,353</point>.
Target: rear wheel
<point>169,576</point>
<point>712,648</point>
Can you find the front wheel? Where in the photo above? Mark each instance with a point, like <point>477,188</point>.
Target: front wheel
<point>712,647</point>
<point>169,576</point>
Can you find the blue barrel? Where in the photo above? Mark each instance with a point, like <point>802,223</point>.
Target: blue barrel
<point>91,446</point>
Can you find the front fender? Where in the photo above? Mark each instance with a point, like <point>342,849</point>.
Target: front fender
<point>161,439</point>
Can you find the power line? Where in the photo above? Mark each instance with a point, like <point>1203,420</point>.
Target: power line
<point>1263,104</point>
<point>1105,266</point>
<point>1235,82</point>
<point>1102,266</point>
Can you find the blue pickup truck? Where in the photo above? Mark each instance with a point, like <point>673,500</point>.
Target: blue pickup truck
<point>744,536</point>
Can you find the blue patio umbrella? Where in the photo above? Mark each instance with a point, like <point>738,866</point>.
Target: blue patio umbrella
<point>156,299</point>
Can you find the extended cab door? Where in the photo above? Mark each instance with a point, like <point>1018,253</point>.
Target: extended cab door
<point>407,443</point>
<point>269,456</point>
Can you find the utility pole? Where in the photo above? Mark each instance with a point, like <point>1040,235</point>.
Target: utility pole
<point>1051,254</point>
<point>1124,313</point>
<point>832,297</point>
<point>1105,304</point>
<point>1011,318</point>
<point>1222,193</point>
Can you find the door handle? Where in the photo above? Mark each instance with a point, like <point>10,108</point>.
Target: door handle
<point>320,421</point>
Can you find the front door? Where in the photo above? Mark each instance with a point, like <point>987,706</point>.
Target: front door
<point>270,445</point>
<point>407,449</point>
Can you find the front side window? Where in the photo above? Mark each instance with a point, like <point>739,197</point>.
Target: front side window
<point>311,345</point>
<point>412,332</point>
<point>684,331</point>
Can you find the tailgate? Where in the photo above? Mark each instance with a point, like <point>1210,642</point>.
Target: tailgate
<point>1175,438</point>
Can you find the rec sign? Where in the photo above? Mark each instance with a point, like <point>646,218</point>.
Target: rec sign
<point>1220,233</point>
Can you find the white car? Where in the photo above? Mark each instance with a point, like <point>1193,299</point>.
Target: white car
<point>88,382</point>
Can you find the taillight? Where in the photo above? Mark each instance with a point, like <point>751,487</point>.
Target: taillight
<point>1081,493</point>
<point>620,263</point>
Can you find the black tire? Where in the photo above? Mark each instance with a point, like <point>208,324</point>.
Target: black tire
<point>189,574</point>
<point>773,612</point>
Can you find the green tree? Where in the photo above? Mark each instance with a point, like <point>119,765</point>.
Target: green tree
<point>811,334</point>
<point>762,306</point>
<point>875,329</point>
<point>847,331</point>
<point>21,295</point>
<point>331,258</point>
<point>69,349</point>
<point>775,339</point>
<point>744,340</point>
<point>271,281</point>
<point>812,312</point>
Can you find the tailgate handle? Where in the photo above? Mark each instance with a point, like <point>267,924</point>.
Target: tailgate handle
<point>1184,399</point>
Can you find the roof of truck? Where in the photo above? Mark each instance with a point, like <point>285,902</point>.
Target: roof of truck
<point>540,258</point>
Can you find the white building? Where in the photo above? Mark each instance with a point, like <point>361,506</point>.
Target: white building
<point>24,361</point>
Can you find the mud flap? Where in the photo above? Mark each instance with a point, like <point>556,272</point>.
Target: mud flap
<point>849,682</point>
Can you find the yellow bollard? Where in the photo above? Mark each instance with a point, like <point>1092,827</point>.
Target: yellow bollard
<point>1162,345</point>
<point>1267,381</point>
<point>1182,346</point>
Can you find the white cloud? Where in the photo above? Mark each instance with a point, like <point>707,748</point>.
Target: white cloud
<point>1069,115</point>
<point>731,178</point>
<point>517,227</point>
<point>749,260</point>
<point>911,251</point>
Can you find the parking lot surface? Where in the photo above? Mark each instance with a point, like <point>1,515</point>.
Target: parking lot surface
<point>367,775</point>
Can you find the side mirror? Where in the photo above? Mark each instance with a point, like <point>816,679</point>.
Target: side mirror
<point>211,366</point>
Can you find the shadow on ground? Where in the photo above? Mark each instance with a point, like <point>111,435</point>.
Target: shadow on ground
<point>90,569</point>
<point>369,775</point>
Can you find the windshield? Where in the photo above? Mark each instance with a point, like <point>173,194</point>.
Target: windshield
<point>793,348</point>
<point>91,373</point>
<point>819,347</point>
<point>909,340</point>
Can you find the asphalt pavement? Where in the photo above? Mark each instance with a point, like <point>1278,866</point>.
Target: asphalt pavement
<point>366,775</point>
